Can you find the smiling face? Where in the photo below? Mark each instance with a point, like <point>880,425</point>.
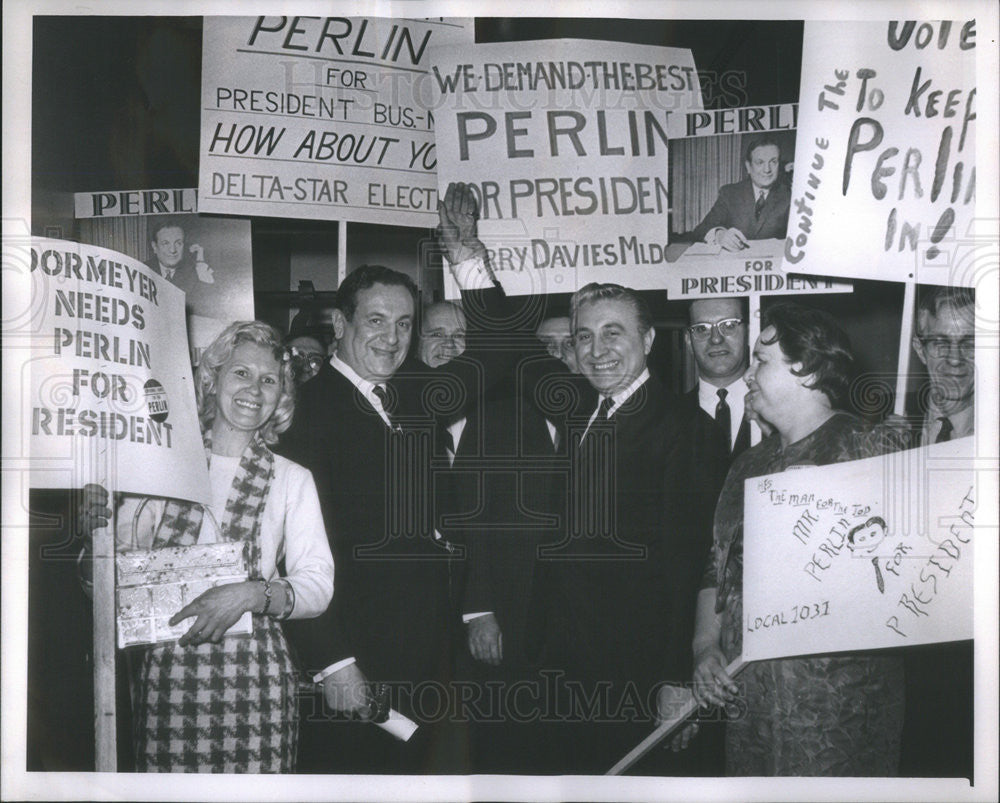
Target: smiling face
<point>763,166</point>
<point>169,246</point>
<point>950,364</point>
<point>248,387</point>
<point>375,341</point>
<point>442,336</point>
<point>721,358</point>
<point>775,392</point>
<point>610,349</point>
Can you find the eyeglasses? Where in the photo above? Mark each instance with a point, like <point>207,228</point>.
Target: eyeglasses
<point>726,328</point>
<point>941,346</point>
<point>313,360</point>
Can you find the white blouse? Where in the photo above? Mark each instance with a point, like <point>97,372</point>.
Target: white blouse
<point>292,528</point>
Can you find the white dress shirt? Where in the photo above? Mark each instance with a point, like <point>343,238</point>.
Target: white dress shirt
<point>708,398</point>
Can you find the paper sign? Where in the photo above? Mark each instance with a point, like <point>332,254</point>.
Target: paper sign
<point>106,367</point>
<point>860,555</point>
<point>885,168</point>
<point>321,117</point>
<point>565,143</point>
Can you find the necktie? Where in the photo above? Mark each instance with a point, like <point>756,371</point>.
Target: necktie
<point>759,206</point>
<point>946,430</point>
<point>604,409</point>
<point>383,397</point>
<point>444,440</point>
<point>722,417</point>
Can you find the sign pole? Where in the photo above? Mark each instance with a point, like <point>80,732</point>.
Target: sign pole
<point>905,336</point>
<point>667,727</point>
<point>105,714</point>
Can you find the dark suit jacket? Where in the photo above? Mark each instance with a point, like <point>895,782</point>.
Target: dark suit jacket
<point>734,208</point>
<point>507,498</point>
<point>390,584</point>
<point>615,584</point>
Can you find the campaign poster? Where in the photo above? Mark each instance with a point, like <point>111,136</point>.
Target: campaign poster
<point>321,117</point>
<point>860,555</point>
<point>885,179</point>
<point>109,394</point>
<point>730,184</point>
<point>209,258</point>
<point>566,146</point>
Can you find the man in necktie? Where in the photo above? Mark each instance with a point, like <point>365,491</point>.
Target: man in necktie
<point>937,731</point>
<point>945,343</point>
<point>753,209</point>
<point>612,584</point>
<point>717,335</point>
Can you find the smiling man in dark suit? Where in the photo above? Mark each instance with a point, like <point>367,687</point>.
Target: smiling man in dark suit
<point>612,590</point>
<point>753,209</point>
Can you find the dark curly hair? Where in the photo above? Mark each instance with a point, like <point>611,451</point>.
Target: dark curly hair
<point>812,337</point>
<point>364,277</point>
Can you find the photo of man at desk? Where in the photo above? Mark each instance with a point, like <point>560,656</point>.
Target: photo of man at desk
<point>755,208</point>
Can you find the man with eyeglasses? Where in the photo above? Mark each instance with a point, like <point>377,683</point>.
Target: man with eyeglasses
<point>945,343</point>
<point>308,356</point>
<point>717,334</point>
<point>938,725</point>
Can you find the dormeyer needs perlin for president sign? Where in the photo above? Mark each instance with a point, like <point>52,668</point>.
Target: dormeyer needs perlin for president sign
<point>860,555</point>
<point>105,366</point>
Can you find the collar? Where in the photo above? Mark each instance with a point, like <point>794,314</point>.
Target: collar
<point>622,396</point>
<point>758,190</point>
<point>352,376</point>
<point>962,422</point>
<point>708,394</point>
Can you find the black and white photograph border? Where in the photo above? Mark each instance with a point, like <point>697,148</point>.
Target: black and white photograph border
<point>17,784</point>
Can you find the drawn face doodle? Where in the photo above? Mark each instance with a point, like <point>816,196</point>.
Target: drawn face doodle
<point>866,537</point>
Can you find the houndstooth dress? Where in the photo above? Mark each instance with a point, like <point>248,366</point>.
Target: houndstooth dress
<point>227,707</point>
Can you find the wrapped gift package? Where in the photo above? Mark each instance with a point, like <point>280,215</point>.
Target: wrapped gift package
<point>154,585</point>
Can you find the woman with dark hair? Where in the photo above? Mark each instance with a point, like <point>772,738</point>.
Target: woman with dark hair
<point>211,702</point>
<point>821,715</point>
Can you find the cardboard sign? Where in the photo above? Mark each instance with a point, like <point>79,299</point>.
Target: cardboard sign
<point>108,370</point>
<point>860,555</point>
<point>323,118</point>
<point>885,160</point>
<point>565,143</point>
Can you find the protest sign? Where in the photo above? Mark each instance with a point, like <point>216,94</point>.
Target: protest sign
<point>565,144</point>
<point>860,555</point>
<point>885,180</point>
<point>108,363</point>
<point>321,118</point>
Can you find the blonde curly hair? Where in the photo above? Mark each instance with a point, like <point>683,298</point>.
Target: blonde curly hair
<point>218,354</point>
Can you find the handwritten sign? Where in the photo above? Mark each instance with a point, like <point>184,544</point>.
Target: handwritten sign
<point>861,555</point>
<point>565,143</point>
<point>109,366</point>
<point>885,176</point>
<point>321,117</point>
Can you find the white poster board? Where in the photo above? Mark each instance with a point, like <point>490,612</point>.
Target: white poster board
<point>106,368</point>
<point>885,178</point>
<point>565,143</point>
<point>860,555</point>
<point>321,117</point>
